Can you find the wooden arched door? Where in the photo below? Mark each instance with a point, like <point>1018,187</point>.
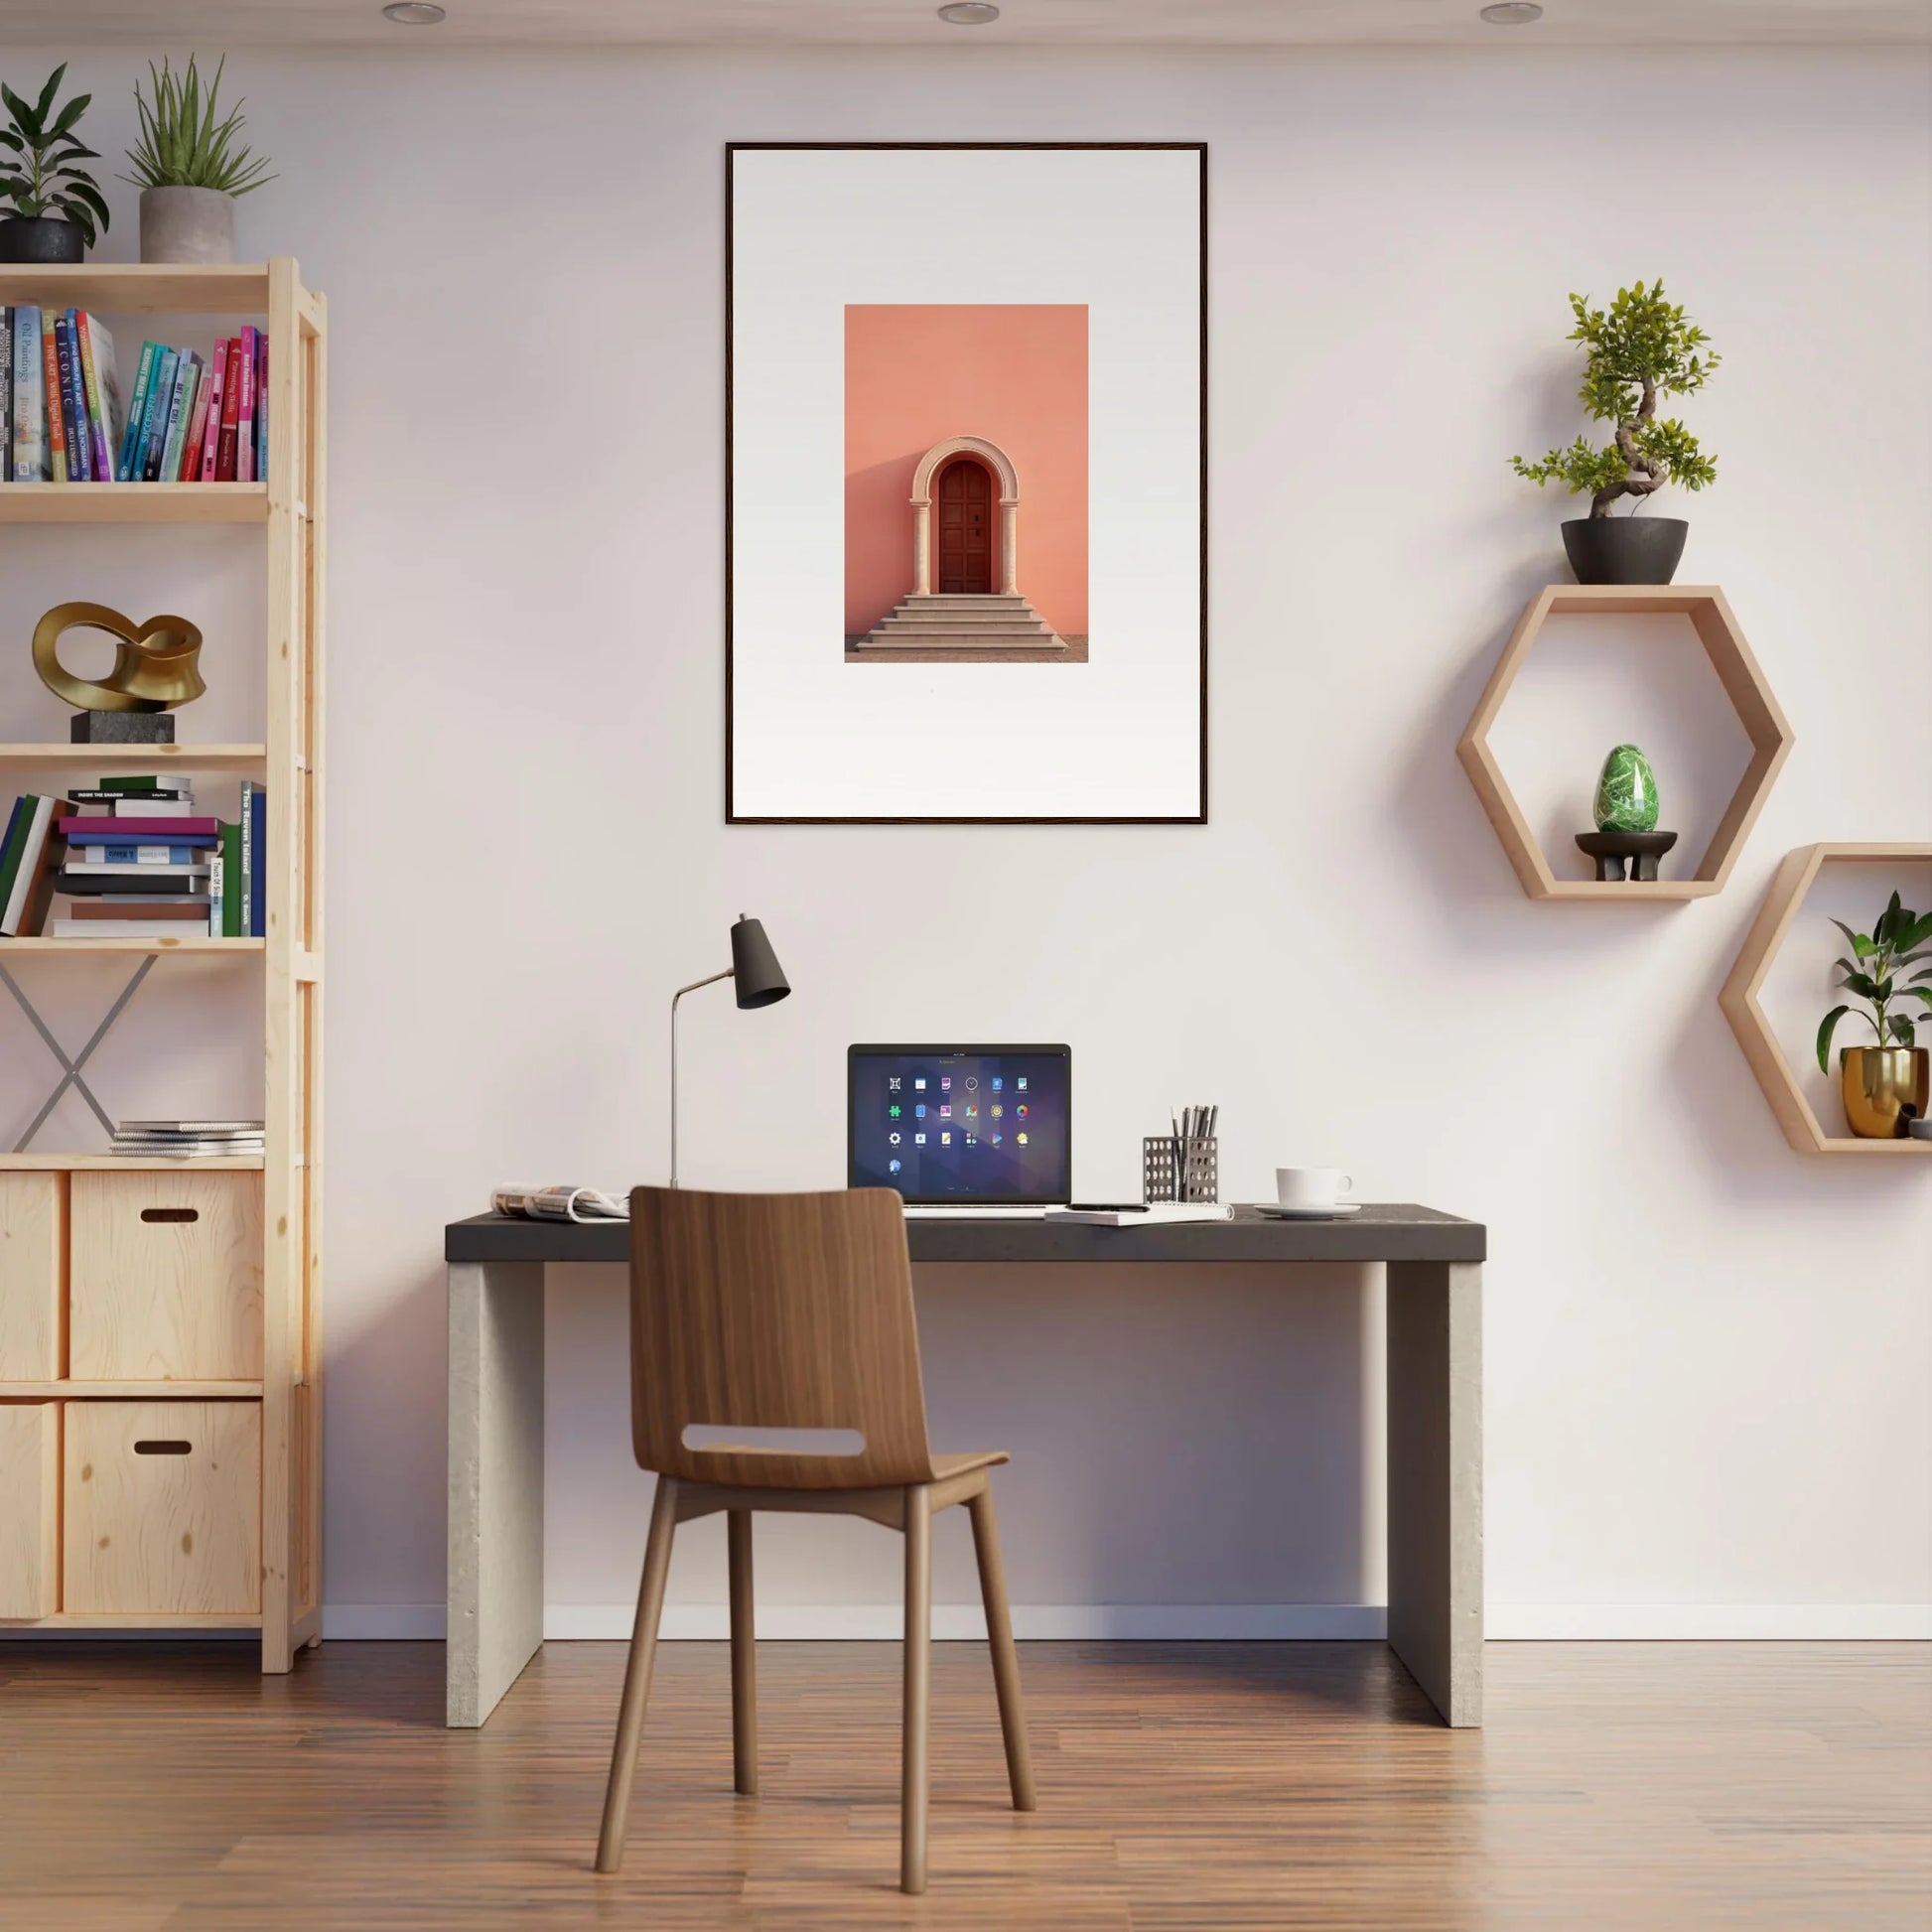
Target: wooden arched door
<point>965,506</point>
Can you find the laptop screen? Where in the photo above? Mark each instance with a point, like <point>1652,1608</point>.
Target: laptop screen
<point>962,1123</point>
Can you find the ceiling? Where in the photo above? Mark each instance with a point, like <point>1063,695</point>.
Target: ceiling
<point>912,23</point>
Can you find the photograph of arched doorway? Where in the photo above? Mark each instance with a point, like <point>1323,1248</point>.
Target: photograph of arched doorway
<point>966,484</point>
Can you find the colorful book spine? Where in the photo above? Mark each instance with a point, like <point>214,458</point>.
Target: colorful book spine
<point>108,831</point>
<point>261,405</point>
<point>30,418</point>
<point>178,411</point>
<point>218,374</point>
<point>154,431</point>
<point>137,855</point>
<point>258,864</point>
<point>17,823</point>
<point>244,462</point>
<point>231,416</point>
<point>74,401</point>
<point>190,467</point>
<point>56,429</point>
<point>230,899</point>
<point>126,469</point>
<point>96,382</point>
<point>6,395</point>
<point>33,881</point>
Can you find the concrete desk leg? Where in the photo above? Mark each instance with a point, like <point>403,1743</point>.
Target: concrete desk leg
<point>495,1617</point>
<point>1435,1325</point>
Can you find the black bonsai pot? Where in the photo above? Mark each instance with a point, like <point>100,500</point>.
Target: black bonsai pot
<point>1624,549</point>
<point>40,238</point>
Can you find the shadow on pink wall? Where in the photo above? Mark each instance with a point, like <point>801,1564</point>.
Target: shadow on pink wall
<point>919,374</point>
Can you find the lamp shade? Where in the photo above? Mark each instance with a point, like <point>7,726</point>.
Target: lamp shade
<point>756,977</point>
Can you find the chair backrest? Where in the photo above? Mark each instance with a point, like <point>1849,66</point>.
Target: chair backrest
<point>774,1312</point>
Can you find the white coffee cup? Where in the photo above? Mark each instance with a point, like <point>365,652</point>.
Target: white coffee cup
<point>1312,1186</point>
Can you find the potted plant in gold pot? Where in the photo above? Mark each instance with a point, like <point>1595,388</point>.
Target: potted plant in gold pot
<point>1885,1085</point>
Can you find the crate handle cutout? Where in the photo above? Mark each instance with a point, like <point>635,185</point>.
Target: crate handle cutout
<point>163,1446</point>
<point>751,1440</point>
<point>170,1213</point>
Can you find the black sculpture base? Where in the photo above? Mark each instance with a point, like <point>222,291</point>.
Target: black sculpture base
<point>1612,849</point>
<point>122,728</point>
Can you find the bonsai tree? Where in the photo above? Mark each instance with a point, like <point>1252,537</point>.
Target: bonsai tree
<point>1637,350</point>
<point>1897,941</point>
<point>38,150</point>
<point>182,144</point>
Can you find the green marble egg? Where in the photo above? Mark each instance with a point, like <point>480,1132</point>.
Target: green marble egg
<point>1626,793</point>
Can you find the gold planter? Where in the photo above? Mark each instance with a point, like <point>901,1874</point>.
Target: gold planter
<point>1884,1088</point>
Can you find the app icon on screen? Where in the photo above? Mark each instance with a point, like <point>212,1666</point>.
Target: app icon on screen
<point>892,1138</point>
<point>918,1110</point>
<point>918,1139</point>
<point>945,1112</point>
<point>891,1083</point>
<point>945,1140</point>
<point>892,1111</point>
<point>1021,1083</point>
<point>1021,1110</point>
<point>996,1139</point>
<point>918,1083</point>
<point>972,1080</point>
<point>970,1141</point>
<point>996,1083</point>
<point>972,1113</point>
<point>892,1167</point>
<point>945,1083</point>
<point>997,1110</point>
<point>1021,1137</point>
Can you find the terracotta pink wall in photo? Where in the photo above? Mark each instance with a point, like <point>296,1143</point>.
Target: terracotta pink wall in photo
<point>916,374</point>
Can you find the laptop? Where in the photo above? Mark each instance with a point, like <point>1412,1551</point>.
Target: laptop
<point>962,1130</point>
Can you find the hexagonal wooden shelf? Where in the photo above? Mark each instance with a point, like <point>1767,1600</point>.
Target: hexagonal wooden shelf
<point>1738,998</point>
<point>1738,671</point>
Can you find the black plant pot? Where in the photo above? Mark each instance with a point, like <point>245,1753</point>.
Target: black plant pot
<point>1624,549</point>
<point>40,238</point>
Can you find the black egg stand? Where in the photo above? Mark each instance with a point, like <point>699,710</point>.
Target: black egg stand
<point>1613,850</point>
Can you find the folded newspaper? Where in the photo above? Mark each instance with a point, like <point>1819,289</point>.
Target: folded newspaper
<point>559,1205</point>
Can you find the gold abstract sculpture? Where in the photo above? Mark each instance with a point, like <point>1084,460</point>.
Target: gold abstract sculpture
<point>154,662</point>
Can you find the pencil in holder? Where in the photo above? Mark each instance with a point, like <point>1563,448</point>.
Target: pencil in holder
<point>1175,1168</point>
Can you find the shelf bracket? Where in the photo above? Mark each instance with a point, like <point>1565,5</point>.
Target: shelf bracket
<point>72,1076</point>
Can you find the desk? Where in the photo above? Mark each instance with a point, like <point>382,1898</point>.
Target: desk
<point>1435,1404</point>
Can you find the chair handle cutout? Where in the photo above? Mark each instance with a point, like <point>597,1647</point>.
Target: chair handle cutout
<point>163,1446</point>
<point>748,1440</point>
<point>170,1213</point>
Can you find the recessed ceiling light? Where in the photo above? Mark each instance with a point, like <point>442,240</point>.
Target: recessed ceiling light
<point>413,13</point>
<point>1512,13</point>
<point>969,13</point>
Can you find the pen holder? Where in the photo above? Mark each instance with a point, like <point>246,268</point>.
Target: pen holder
<point>1180,1169</point>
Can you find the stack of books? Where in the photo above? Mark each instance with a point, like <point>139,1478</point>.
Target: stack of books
<point>186,1140</point>
<point>187,419</point>
<point>136,861</point>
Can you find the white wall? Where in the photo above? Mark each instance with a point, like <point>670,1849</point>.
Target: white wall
<point>1706,1357</point>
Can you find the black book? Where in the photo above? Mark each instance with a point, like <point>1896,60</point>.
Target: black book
<point>171,881</point>
<point>97,797</point>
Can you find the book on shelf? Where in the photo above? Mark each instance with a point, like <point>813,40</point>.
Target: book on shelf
<point>138,906</point>
<point>189,1139</point>
<point>29,863</point>
<point>61,419</point>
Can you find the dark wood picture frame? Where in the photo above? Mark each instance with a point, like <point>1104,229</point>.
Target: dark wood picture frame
<point>734,148</point>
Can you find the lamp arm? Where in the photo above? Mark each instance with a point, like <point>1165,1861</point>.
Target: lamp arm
<point>712,980</point>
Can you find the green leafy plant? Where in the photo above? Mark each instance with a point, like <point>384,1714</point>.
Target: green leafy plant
<point>38,152</point>
<point>183,144</point>
<point>1897,940</point>
<point>1637,350</point>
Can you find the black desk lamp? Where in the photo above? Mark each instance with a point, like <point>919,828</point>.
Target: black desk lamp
<point>759,981</point>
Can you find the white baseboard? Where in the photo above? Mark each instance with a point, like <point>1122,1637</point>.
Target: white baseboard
<point>1707,1622</point>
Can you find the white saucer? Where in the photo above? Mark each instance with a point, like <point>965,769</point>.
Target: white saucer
<point>1270,1211</point>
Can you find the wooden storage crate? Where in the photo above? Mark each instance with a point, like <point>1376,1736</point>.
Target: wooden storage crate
<point>166,1279</point>
<point>33,1272</point>
<point>162,1507</point>
<point>30,1508</point>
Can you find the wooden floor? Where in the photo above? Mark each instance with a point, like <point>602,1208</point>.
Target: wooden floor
<point>1641,1787</point>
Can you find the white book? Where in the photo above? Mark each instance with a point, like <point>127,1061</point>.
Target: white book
<point>124,929</point>
<point>1157,1214</point>
<point>153,808</point>
<point>122,868</point>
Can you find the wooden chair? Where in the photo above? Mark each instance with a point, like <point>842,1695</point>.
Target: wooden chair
<point>774,1312</point>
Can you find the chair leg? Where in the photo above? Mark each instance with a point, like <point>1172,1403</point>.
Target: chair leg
<point>1005,1660</point>
<point>744,1667</point>
<point>914,1774</point>
<point>637,1676</point>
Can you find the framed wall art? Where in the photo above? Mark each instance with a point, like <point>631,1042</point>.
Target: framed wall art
<point>966,483</point>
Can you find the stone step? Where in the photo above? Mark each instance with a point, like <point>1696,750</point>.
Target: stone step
<point>880,640</point>
<point>922,622</point>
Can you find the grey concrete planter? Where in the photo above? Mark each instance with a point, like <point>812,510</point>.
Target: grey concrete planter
<point>187,225</point>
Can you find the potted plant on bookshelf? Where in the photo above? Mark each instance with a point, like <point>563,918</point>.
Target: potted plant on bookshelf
<point>188,169</point>
<point>1884,1085</point>
<point>1638,350</point>
<point>52,206</point>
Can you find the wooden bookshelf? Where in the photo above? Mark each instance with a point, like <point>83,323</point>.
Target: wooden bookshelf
<point>134,503</point>
<point>288,508</point>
